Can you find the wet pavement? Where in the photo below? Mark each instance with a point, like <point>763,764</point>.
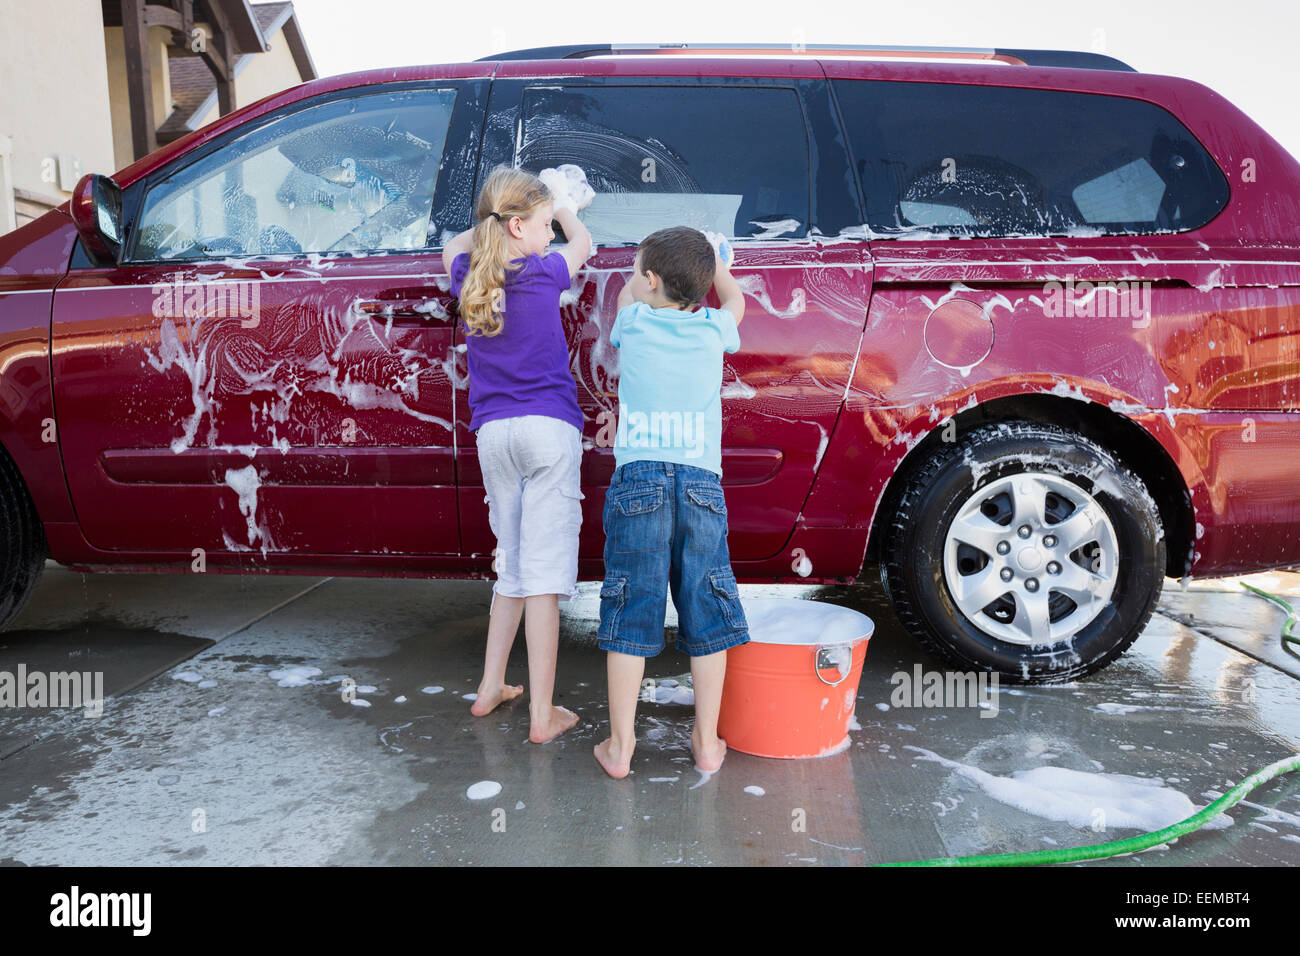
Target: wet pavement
<point>229,738</point>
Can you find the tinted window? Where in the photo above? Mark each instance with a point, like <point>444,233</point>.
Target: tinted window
<point>353,174</point>
<point>724,159</point>
<point>998,161</point>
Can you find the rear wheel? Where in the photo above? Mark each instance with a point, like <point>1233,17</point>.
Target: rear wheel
<point>22,543</point>
<point>1025,549</point>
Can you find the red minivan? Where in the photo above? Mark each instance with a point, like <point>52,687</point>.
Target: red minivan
<point>1023,330</point>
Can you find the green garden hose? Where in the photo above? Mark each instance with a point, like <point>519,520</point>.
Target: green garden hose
<point>1291,616</point>
<point>1118,847</point>
<point>1146,840</point>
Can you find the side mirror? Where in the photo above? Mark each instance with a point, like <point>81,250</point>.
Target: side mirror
<point>97,213</point>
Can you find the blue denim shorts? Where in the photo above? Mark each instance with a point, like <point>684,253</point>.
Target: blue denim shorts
<point>666,528</point>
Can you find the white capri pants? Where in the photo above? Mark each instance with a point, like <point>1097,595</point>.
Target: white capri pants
<point>530,467</point>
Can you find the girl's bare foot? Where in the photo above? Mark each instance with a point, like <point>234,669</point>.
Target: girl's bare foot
<point>485,703</point>
<point>557,722</point>
<point>708,756</point>
<point>615,763</point>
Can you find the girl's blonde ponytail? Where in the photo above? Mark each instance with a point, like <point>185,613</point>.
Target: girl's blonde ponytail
<point>508,192</point>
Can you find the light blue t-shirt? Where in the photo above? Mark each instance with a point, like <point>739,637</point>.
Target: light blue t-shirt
<point>670,375</point>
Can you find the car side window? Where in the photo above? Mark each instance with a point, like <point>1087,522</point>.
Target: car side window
<point>969,160</point>
<point>347,175</point>
<point>732,160</point>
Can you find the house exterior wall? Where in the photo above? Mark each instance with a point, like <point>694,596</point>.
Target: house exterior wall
<point>45,113</point>
<point>160,80</point>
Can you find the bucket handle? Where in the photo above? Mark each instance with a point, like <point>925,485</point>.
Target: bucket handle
<point>839,656</point>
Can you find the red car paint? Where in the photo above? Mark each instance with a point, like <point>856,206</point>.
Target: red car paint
<point>1205,397</point>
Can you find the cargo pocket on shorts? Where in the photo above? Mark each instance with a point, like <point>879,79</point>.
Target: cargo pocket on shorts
<point>573,499</point>
<point>496,533</point>
<point>639,518</point>
<point>722,582</point>
<point>613,596</point>
<point>707,517</point>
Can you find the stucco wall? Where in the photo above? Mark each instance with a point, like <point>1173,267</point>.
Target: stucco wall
<point>52,96</point>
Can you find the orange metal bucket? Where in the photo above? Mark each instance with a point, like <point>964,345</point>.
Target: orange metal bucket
<point>791,691</point>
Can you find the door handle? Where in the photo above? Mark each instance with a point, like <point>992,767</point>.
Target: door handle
<point>415,311</point>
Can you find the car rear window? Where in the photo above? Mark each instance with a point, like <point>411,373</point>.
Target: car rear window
<point>732,160</point>
<point>967,160</point>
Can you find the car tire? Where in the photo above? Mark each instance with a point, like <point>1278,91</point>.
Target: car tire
<point>976,520</point>
<point>22,543</point>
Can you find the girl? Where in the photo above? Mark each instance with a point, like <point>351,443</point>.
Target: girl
<point>525,416</point>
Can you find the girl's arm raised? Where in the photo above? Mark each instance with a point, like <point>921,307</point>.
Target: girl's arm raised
<point>579,246</point>
<point>462,243</point>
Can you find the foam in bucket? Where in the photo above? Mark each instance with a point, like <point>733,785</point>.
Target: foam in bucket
<point>794,621</point>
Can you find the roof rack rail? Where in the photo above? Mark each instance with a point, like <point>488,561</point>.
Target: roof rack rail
<point>1060,58</point>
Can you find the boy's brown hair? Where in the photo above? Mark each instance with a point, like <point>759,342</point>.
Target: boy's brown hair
<point>683,260</point>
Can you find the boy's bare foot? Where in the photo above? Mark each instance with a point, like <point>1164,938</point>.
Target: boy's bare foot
<point>708,756</point>
<point>615,763</point>
<point>484,704</point>
<point>557,722</point>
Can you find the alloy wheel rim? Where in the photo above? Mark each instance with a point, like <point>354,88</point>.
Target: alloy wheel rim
<point>1031,559</point>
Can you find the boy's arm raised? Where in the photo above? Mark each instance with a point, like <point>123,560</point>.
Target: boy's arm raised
<point>728,289</point>
<point>625,295</point>
<point>579,246</point>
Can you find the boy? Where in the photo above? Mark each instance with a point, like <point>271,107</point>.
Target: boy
<point>665,516</point>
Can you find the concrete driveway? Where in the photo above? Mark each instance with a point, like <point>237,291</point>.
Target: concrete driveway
<point>227,740</point>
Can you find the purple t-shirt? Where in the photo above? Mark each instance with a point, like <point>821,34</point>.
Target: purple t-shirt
<point>524,370</point>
